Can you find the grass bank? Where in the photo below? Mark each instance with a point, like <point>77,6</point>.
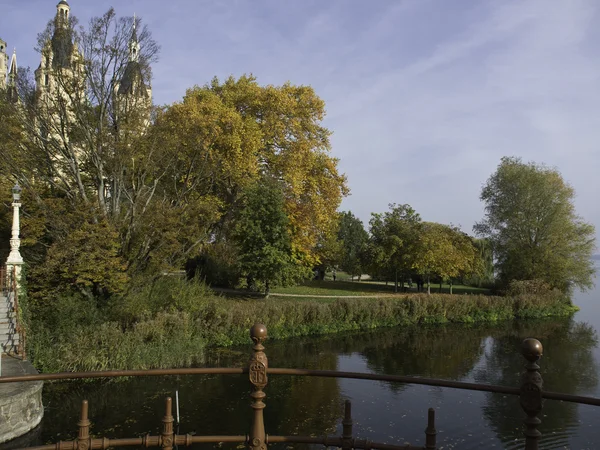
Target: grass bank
<point>170,324</point>
<point>368,288</point>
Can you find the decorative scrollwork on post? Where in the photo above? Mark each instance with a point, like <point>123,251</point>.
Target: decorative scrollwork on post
<point>257,370</point>
<point>531,392</point>
<point>83,438</point>
<point>166,437</point>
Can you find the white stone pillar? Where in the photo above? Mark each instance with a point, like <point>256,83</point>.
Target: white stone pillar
<point>15,260</point>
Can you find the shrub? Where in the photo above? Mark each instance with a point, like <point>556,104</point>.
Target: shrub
<point>170,322</point>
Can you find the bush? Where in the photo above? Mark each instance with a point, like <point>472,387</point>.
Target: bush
<point>217,266</point>
<point>170,322</point>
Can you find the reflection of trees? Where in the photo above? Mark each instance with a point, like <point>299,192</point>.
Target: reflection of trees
<point>208,404</point>
<point>312,405</point>
<point>567,366</point>
<point>440,352</point>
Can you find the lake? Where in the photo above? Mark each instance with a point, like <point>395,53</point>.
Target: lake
<point>393,413</point>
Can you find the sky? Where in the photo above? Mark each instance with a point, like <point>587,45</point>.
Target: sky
<point>423,96</point>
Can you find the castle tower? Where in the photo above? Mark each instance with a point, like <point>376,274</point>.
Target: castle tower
<point>63,10</point>
<point>132,93</point>
<point>60,52</point>
<point>3,64</point>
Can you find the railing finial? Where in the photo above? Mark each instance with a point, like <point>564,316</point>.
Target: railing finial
<point>531,392</point>
<point>257,370</point>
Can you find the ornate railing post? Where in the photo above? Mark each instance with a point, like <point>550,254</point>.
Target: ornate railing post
<point>347,426</point>
<point>430,432</point>
<point>531,392</point>
<point>83,438</point>
<point>166,441</point>
<point>257,370</point>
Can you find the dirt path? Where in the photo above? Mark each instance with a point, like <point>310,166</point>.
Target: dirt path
<point>274,294</point>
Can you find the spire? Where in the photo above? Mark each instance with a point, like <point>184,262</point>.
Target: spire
<point>12,79</point>
<point>134,46</point>
<point>12,72</point>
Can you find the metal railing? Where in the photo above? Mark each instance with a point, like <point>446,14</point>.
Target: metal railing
<point>3,279</point>
<point>10,288</point>
<point>530,394</point>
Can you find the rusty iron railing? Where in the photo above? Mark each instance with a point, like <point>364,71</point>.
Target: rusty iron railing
<point>530,395</point>
<point>11,290</point>
<point>3,279</point>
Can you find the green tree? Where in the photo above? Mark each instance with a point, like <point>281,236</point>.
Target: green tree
<point>394,235</point>
<point>445,252</point>
<point>536,234</point>
<point>354,239</point>
<point>263,236</point>
<point>279,133</point>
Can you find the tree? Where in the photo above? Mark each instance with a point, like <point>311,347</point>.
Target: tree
<point>263,236</point>
<point>393,237</point>
<point>354,239</point>
<point>169,181</point>
<point>227,135</point>
<point>444,251</point>
<point>484,264</point>
<point>531,222</point>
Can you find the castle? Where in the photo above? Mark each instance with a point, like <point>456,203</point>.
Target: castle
<point>61,60</point>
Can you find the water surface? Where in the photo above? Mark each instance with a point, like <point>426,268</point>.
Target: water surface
<point>393,413</point>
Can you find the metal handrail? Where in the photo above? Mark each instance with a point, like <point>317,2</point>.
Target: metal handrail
<point>2,279</point>
<point>530,394</point>
<point>493,388</point>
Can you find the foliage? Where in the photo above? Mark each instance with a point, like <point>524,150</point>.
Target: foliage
<point>354,239</point>
<point>169,181</point>
<point>246,131</point>
<point>217,265</point>
<point>484,276</point>
<point>265,246</point>
<point>531,222</point>
<point>445,252</point>
<point>87,261</point>
<point>394,234</point>
<point>170,322</point>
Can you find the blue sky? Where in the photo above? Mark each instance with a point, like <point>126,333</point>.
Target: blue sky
<point>424,96</point>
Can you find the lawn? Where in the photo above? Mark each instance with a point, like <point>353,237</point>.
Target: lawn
<point>365,288</point>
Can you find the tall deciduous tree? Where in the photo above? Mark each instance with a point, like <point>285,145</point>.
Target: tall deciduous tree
<point>394,235</point>
<point>263,236</point>
<point>531,221</point>
<point>354,239</point>
<point>445,252</point>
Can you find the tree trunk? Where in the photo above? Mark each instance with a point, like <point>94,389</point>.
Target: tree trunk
<point>267,289</point>
<point>441,281</point>
<point>428,286</point>
<point>450,287</point>
<point>396,282</point>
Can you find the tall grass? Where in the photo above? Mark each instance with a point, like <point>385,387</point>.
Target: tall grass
<point>172,322</point>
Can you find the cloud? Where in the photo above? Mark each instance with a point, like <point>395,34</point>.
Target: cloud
<point>424,96</point>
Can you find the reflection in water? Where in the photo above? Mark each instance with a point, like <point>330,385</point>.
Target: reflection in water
<point>383,411</point>
<point>568,366</point>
